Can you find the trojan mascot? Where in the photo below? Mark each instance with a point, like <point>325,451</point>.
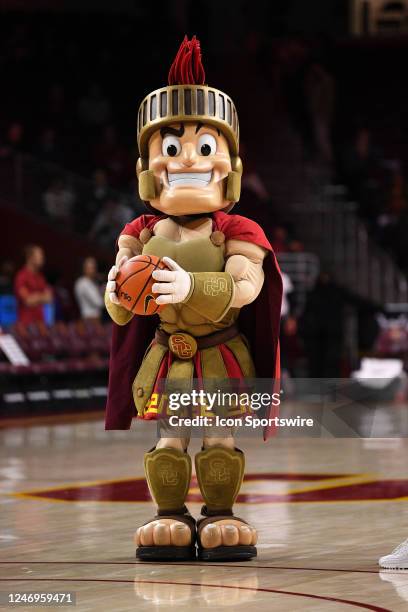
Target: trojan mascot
<point>220,300</point>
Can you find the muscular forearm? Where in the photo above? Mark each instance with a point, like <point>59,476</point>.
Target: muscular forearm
<point>211,294</point>
<point>244,263</point>
<point>129,246</point>
<point>248,279</point>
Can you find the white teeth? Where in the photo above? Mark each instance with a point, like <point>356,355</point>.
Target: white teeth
<point>193,179</point>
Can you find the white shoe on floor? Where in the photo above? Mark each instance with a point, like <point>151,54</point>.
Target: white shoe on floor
<point>398,559</point>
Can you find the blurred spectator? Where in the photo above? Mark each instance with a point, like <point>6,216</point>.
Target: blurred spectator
<point>99,193</point>
<point>30,287</point>
<point>287,287</point>
<point>284,241</point>
<point>56,105</point>
<point>94,108</point>
<point>112,156</point>
<point>65,308</point>
<point>58,201</point>
<point>319,88</point>
<point>359,168</point>
<point>280,239</point>
<point>394,220</point>
<point>322,328</point>
<point>47,149</point>
<point>13,142</point>
<point>110,221</point>
<point>289,342</point>
<point>88,292</point>
<point>296,246</point>
<point>7,270</point>
<point>138,207</point>
<point>255,200</point>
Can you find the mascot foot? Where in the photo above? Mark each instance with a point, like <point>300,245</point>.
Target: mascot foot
<point>170,538</point>
<point>171,534</point>
<point>221,536</point>
<point>225,538</point>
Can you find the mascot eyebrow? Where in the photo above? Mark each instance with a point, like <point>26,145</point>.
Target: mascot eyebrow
<point>173,131</point>
<point>180,131</point>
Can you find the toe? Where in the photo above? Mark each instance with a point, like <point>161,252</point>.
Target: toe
<point>230,535</point>
<point>161,534</point>
<point>146,535</point>
<point>254,536</point>
<point>245,535</point>
<point>210,536</point>
<point>136,537</point>
<point>180,535</point>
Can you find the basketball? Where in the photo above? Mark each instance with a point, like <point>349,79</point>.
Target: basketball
<point>134,284</point>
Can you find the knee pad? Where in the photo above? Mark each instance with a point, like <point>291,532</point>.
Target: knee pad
<point>168,475</point>
<point>220,472</point>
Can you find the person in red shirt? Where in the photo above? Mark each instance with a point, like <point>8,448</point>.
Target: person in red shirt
<point>30,287</point>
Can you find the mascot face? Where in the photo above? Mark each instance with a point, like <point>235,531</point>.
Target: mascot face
<point>190,163</point>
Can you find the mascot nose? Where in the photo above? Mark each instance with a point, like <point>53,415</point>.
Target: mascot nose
<point>189,155</point>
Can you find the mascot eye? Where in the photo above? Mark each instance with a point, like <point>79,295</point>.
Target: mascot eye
<point>207,145</point>
<point>171,146</point>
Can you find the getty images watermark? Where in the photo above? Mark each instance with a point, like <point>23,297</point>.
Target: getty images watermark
<point>298,407</point>
<point>210,401</point>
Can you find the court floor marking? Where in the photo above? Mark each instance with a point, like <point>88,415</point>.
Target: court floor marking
<point>348,602</point>
<point>259,477</point>
<point>196,564</point>
<point>335,483</point>
<point>326,482</point>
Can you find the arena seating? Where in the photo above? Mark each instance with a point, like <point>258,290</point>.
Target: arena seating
<point>63,347</point>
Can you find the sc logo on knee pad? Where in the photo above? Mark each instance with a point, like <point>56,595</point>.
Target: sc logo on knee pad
<point>167,474</point>
<point>218,472</point>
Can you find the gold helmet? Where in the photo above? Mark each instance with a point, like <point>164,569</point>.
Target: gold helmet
<point>188,98</point>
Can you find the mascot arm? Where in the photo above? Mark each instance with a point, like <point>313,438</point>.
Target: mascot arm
<point>117,313</point>
<point>212,294</point>
<point>128,246</point>
<point>244,263</point>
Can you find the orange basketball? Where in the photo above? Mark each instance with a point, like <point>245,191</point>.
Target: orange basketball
<point>134,284</point>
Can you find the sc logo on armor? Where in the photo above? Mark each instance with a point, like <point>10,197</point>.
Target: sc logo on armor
<point>182,345</point>
<point>218,472</point>
<point>215,286</point>
<point>167,474</point>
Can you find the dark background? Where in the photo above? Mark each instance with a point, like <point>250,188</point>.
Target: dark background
<point>323,113</point>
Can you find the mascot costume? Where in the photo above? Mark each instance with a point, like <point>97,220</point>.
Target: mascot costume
<point>220,299</point>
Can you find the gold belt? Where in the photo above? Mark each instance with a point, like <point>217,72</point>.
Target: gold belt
<point>185,346</point>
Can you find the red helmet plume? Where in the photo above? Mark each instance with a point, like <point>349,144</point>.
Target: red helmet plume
<point>187,68</point>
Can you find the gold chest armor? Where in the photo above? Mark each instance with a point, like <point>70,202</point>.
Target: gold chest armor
<point>196,255</point>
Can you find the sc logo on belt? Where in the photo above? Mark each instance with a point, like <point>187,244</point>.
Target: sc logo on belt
<point>182,345</point>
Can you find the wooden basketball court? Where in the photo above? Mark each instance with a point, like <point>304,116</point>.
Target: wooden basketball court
<point>72,495</point>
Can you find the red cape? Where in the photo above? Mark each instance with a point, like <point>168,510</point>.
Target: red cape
<point>258,321</point>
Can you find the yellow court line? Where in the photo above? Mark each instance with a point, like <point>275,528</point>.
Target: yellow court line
<point>324,483</point>
<point>336,483</point>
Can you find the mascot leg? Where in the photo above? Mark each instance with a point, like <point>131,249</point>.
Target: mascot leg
<point>171,533</point>
<point>221,535</point>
